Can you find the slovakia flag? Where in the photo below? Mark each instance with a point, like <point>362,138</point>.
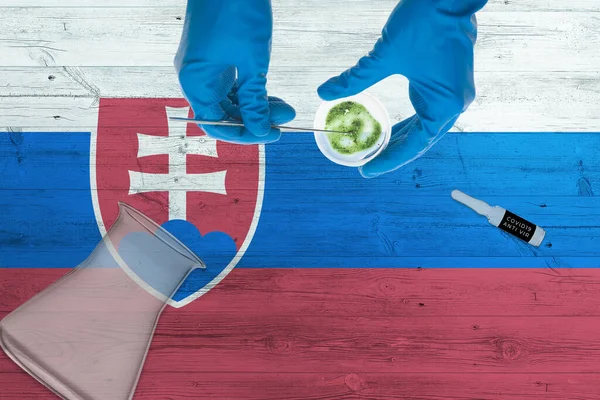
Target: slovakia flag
<point>319,283</point>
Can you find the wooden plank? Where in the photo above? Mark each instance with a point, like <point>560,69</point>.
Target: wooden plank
<point>51,81</point>
<point>352,385</point>
<point>346,386</point>
<point>330,343</point>
<point>440,238</point>
<point>49,114</point>
<point>508,41</point>
<point>327,321</point>
<point>503,98</point>
<point>535,165</point>
<point>493,5</point>
<point>387,293</point>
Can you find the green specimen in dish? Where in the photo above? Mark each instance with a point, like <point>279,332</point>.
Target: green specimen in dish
<point>363,130</point>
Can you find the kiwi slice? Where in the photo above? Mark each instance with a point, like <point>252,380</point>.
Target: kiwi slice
<point>363,130</point>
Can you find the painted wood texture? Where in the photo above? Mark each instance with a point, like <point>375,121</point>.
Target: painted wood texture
<point>414,334</point>
<point>323,215</point>
<point>351,386</point>
<point>537,63</point>
<point>389,334</point>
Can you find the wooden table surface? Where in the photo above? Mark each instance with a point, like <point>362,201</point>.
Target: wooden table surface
<point>324,285</point>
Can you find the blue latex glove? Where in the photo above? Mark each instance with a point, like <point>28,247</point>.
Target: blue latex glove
<point>430,42</point>
<point>222,64</point>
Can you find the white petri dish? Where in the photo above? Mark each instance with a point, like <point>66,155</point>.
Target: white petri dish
<point>363,156</point>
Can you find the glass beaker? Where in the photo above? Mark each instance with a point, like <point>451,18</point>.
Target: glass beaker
<point>86,336</point>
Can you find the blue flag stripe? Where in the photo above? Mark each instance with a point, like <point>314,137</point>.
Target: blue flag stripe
<point>320,215</point>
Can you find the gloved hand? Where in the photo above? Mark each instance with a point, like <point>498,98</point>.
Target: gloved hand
<point>430,42</point>
<point>222,64</point>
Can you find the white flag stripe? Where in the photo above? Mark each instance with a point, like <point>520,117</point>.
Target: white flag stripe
<point>508,102</point>
<point>493,5</point>
<point>536,62</point>
<point>129,36</point>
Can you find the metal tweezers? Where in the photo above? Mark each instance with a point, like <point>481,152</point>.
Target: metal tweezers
<point>232,123</point>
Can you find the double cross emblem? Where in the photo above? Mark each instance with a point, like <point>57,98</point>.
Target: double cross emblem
<point>177,181</point>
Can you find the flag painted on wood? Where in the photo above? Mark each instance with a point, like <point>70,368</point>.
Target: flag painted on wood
<point>284,205</point>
